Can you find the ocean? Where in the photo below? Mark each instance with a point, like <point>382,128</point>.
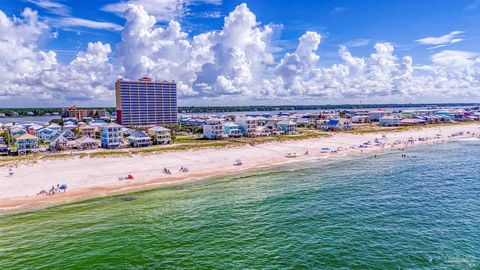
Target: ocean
<point>361,212</point>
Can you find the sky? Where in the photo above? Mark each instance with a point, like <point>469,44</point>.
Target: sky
<point>221,52</point>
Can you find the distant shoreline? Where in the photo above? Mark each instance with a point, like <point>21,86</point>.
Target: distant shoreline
<point>89,178</point>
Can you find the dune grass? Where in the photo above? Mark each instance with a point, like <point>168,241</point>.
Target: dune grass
<point>194,143</point>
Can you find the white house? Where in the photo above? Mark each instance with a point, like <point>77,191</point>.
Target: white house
<point>231,129</point>
<point>376,115</point>
<point>358,119</point>
<point>160,135</point>
<point>248,125</point>
<point>213,130</point>
<point>389,121</point>
<point>289,127</point>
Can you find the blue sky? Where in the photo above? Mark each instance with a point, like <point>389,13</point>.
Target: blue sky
<point>340,22</point>
<point>358,25</point>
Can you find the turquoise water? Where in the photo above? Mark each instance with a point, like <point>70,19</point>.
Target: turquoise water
<point>386,212</point>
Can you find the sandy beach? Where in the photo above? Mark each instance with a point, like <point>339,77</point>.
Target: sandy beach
<point>93,177</point>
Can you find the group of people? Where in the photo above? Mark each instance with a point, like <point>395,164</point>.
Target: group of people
<point>54,190</point>
<point>182,169</point>
<point>166,171</point>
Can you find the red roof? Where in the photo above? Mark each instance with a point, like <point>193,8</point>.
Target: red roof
<point>145,78</point>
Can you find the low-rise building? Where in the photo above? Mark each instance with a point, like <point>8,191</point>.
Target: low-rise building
<point>336,124</point>
<point>160,135</point>
<point>87,130</point>
<point>288,127</point>
<point>69,134</point>
<point>139,138</point>
<point>231,129</point>
<point>262,131</point>
<point>55,127</point>
<point>111,136</point>
<point>360,119</point>
<point>59,142</point>
<point>3,147</point>
<point>390,120</point>
<point>273,128</point>
<point>17,131</point>
<point>213,130</point>
<point>46,134</point>
<point>376,115</point>
<point>412,122</point>
<point>247,125</point>
<point>27,143</point>
<point>85,142</point>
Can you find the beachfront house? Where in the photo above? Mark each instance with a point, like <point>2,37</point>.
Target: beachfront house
<point>59,142</point>
<point>262,131</point>
<point>139,138</point>
<point>85,142</point>
<point>407,114</point>
<point>273,128</point>
<point>3,147</point>
<point>231,129</point>
<point>213,129</point>
<point>247,125</point>
<point>87,130</point>
<point>336,124</point>
<point>360,119</point>
<point>27,143</point>
<point>160,135</point>
<point>111,136</point>
<point>288,127</point>
<point>376,115</point>
<point>390,120</point>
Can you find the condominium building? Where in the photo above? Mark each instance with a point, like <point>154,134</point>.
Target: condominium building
<point>146,102</point>
<point>79,114</point>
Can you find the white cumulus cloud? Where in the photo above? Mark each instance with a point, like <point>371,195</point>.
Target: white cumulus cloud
<point>28,72</point>
<point>233,63</point>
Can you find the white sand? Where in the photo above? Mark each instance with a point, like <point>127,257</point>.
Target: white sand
<point>91,177</point>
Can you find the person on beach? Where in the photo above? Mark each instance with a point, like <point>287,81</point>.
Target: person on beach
<point>63,187</point>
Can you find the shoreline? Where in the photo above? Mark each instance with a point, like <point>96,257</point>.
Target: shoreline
<point>94,178</point>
